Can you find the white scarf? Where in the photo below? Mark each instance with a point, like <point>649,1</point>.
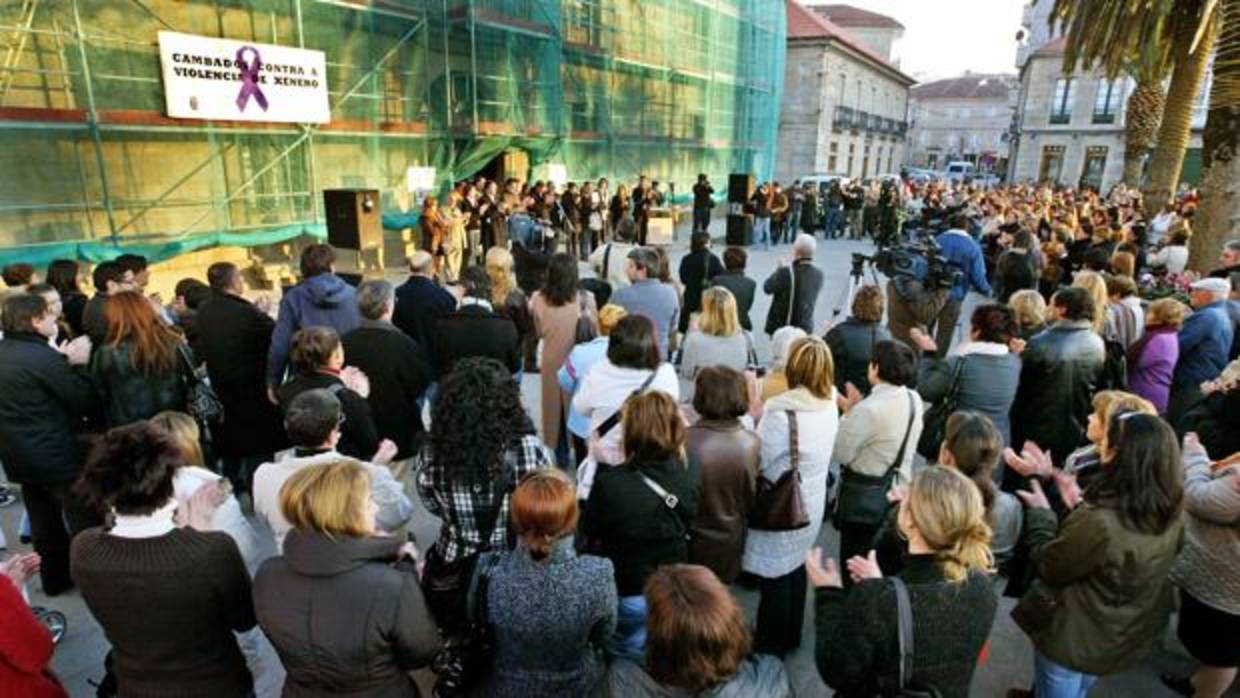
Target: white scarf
<point>799,400</point>
<point>152,525</point>
<point>982,348</point>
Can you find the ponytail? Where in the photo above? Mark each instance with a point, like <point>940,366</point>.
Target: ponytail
<point>946,507</point>
<point>971,551</point>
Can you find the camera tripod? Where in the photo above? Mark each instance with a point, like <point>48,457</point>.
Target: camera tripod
<point>856,279</point>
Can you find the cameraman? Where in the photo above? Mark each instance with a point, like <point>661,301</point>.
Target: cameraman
<point>962,252</point>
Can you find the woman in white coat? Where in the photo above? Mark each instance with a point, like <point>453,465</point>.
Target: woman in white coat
<point>807,415</point>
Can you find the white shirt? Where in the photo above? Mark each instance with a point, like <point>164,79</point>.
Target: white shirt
<point>228,518</point>
<point>617,263</point>
<point>1173,257</point>
<point>600,394</point>
<point>870,434</point>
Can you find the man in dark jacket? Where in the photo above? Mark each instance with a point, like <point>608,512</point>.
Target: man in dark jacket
<point>702,203</point>
<point>1061,368</point>
<point>695,269</point>
<point>742,287</point>
<point>321,299</point>
<point>1205,345</point>
<point>420,302</point>
<point>397,367</point>
<point>234,338</point>
<point>794,289</point>
<point>44,398</point>
<point>109,278</point>
<point>475,329</point>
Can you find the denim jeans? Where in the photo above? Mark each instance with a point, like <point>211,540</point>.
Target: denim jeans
<point>701,219</point>
<point>794,223</point>
<point>762,230</point>
<point>834,219</point>
<point>629,639</point>
<point>1051,680</point>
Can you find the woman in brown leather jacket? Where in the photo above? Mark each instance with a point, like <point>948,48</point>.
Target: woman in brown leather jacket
<point>434,231</point>
<point>727,455</point>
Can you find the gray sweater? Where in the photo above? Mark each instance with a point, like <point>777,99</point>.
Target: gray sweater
<point>1206,566</point>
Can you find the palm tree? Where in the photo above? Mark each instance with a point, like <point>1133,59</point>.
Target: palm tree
<point>1194,30</point>
<point>1178,33</point>
<point>1218,217</point>
<point>1149,69</point>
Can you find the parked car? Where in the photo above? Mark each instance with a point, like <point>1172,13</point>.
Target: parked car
<point>959,171</point>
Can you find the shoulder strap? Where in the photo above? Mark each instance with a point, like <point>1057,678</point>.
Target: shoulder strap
<point>671,501</point>
<point>485,532</point>
<point>611,422</point>
<point>607,262</point>
<point>908,429</point>
<point>904,608</point>
<point>792,291</point>
<point>794,441</point>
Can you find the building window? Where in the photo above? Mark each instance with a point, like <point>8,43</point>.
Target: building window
<point>833,157</point>
<point>865,163</point>
<point>1095,165</point>
<point>1061,109</point>
<point>932,161</point>
<point>1052,163</point>
<point>1106,102</point>
<point>843,87</point>
<point>852,150</point>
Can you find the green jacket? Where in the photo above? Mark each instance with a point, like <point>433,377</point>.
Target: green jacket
<point>1101,592</point>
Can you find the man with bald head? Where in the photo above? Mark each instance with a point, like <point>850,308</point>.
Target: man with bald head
<point>420,301</point>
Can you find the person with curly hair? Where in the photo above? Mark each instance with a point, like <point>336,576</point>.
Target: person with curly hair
<point>169,597</point>
<point>481,443</point>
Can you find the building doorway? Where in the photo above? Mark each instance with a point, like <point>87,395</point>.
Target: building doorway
<point>514,163</point>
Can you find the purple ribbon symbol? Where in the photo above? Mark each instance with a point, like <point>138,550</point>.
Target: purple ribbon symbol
<point>249,79</point>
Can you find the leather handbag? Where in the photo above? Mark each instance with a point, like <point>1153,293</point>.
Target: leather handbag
<point>778,505</point>
<point>935,422</point>
<point>862,499</point>
<point>201,402</point>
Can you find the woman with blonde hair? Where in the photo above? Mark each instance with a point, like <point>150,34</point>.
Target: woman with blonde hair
<point>1093,282</point>
<point>945,583</point>
<point>509,300</point>
<point>797,431</point>
<point>1030,309</point>
<point>1152,359</point>
<point>334,564</point>
<point>544,647</point>
<point>183,431</point>
<point>718,339</point>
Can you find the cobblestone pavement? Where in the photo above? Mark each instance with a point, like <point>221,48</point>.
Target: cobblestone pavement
<point>79,657</point>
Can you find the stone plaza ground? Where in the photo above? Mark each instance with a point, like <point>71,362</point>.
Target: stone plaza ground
<point>79,657</point>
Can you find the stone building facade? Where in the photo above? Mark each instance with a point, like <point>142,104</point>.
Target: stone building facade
<point>1069,128</point>
<point>962,118</point>
<point>844,108</point>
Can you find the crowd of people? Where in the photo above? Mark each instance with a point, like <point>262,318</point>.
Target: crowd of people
<point>1073,450</point>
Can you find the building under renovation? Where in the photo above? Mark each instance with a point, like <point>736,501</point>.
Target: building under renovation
<point>91,165</point>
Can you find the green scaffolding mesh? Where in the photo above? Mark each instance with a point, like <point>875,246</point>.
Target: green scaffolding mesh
<point>90,166</point>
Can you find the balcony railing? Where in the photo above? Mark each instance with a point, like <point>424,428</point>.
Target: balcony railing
<point>847,118</point>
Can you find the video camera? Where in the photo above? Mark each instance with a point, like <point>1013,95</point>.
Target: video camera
<point>919,261</point>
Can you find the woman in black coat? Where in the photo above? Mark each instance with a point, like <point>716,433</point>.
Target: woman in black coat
<point>343,606</point>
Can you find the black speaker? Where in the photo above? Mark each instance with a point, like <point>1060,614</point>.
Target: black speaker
<point>740,230</point>
<point>353,219</point>
<point>740,188</point>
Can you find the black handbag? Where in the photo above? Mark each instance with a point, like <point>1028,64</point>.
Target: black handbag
<point>201,402</point>
<point>778,505</point>
<point>935,421</point>
<point>862,499</point>
<point>467,658</point>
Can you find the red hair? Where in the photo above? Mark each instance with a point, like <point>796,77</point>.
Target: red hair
<point>544,510</point>
<point>132,321</point>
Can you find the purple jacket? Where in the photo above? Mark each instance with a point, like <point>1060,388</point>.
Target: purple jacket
<point>1151,364</point>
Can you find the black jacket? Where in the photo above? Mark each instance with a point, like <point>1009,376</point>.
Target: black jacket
<point>419,302</point>
<point>235,338</point>
<point>743,288</point>
<point>809,280</point>
<point>1015,271</point>
<point>94,324</point>
<point>43,401</point>
<point>695,269</point>
<point>358,436</point>
<point>129,395</point>
<point>852,345</point>
<point>399,373</point>
<point>345,621</point>
<point>1061,368</point>
<point>74,305</point>
<point>857,648</point>
<point>475,331</point>
<point>628,523</point>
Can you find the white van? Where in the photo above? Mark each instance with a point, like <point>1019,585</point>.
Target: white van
<point>959,171</point>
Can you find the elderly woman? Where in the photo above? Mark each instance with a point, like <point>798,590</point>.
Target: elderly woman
<point>776,382</point>
<point>1152,359</point>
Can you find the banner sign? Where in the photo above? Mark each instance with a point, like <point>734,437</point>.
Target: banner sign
<point>209,78</point>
